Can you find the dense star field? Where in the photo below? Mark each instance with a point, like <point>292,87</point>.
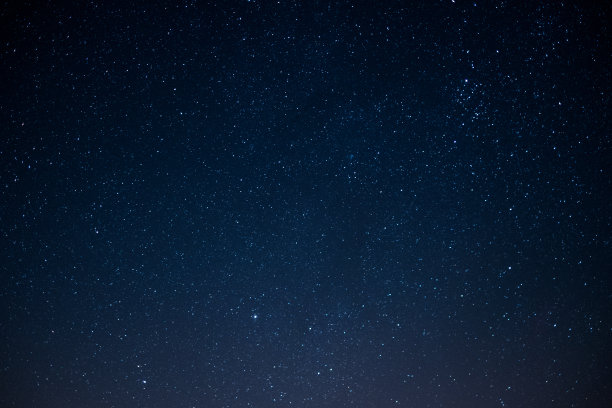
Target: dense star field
<point>305,204</point>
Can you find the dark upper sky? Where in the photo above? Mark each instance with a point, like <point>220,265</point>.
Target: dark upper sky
<point>305,204</point>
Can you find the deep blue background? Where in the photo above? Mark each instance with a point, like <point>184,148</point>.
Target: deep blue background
<point>305,204</point>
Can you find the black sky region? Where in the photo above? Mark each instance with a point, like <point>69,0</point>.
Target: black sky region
<point>305,204</point>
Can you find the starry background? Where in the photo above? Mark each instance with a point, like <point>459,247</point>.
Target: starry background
<point>305,204</point>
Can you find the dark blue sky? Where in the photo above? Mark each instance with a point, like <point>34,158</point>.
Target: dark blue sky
<point>305,204</point>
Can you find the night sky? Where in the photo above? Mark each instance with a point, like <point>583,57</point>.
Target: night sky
<point>305,204</point>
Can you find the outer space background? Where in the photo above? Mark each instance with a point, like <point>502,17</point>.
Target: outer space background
<point>305,204</point>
